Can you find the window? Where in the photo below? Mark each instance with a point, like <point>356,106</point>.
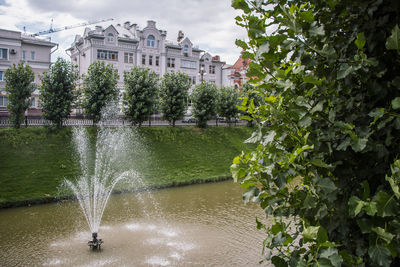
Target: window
<point>143,59</point>
<point>23,55</point>
<point>151,40</point>
<point>128,58</point>
<point>3,101</point>
<point>32,102</point>
<point>107,55</point>
<point>150,60</point>
<point>212,69</point>
<point>171,62</point>
<point>33,55</point>
<point>157,60</point>
<point>4,53</point>
<point>1,76</point>
<point>188,64</point>
<point>194,79</point>
<point>110,38</point>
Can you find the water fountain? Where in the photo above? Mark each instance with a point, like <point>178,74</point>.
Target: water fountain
<point>103,165</point>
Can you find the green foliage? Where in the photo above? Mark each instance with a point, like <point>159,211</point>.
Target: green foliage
<point>173,95</point>
<point>227,102</point>
<point>100,88</point>
<point>19,86</point>
<point>140,93</point>
<point>35,160</point>
<point>326,168</point>
<point>204,101</point>
<point>57,91</point>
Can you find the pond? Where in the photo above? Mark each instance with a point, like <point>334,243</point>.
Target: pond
<point>198,225</point>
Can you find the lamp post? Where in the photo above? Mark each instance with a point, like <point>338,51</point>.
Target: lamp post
<point>202,72</point>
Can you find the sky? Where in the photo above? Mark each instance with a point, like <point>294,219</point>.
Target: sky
<point>209,24</point>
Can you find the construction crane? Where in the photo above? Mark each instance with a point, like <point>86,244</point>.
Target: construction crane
<point>51,30</point>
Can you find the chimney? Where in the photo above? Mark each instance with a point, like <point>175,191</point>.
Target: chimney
<point>99,29</point>
<point>133,29</point>
<point>216,58</point>
<point>151,24</point>
<point>180,36</point>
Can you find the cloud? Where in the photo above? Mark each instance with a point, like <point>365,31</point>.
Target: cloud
<point>209,24</point>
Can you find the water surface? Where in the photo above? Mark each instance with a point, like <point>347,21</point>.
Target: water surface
<point>199,225</point>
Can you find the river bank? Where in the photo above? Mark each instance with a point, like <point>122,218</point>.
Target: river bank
<point>35,161</point>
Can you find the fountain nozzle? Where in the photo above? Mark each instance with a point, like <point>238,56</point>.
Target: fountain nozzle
<point>95,243</point>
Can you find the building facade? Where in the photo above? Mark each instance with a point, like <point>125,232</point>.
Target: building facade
<point>16,47</point>
<point>235,75</point>
<point>125,45</point>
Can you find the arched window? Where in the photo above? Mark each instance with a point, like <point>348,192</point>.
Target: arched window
<point>151,41</point>
<point>110,37</point>
<point>186,49</point>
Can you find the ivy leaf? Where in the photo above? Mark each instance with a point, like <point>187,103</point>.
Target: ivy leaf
<point>255,137</point>
<point>310,233</point>
<point>311,79</point>
<point>305,122</point>
<point>365,225</point>
<point>315,31</point>
<point>396,103</point>
<point>278,261</point>
<point>327,186</point>
<point>394,186</point>
<point>359,144</point>
<point>260,225</point>
<point>333,256</point>
<point>386,205</point>
<point>383,234</point>
<point>344,70</point>
<point>370,208</point>
<point>320,163</point>
<point>380,255</point>
<point>393,41</point>
<point>241,44</point>
<point>241,4</point>
<point>322,236</point>
<point>360,41</point>
<point>355,206</point>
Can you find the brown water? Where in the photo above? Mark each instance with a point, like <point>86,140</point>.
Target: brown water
<point>199,225</point>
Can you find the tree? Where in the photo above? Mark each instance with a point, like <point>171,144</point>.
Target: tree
<point>204,100</point>
<point>57,91</point>
<point>19,86</point>
<point>227,102</point>
<point>252,99</point>
<point>173,95</point>
<point>140,94</point>
<point>326,168</point>
<point>100,88</point>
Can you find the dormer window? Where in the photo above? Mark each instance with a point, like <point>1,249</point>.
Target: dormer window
<point>186,49</point>
<point>151,41</point>
<point>110,38</point>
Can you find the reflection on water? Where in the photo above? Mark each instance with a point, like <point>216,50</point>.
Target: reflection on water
<point>200,225</point>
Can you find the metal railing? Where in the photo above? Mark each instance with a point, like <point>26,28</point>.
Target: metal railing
<point>4,122</point>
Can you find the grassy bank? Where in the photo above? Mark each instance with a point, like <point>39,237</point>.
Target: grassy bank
<point>34,161</point>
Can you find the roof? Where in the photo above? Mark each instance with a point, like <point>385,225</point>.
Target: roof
<point>36,41</point>
<point>241,63</point>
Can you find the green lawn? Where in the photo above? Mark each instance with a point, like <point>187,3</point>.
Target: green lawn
<point>34,161</point>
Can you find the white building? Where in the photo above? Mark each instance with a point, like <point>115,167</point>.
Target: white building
<point>126,45</point>
<point>16,47</point>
